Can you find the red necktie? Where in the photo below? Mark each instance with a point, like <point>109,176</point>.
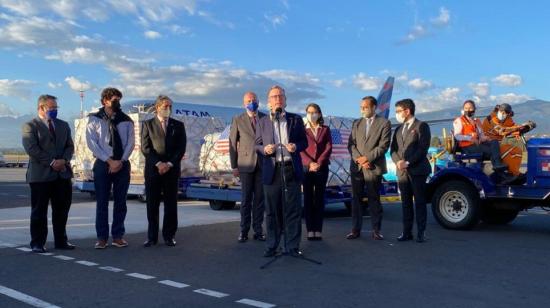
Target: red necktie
<point>254,123</point>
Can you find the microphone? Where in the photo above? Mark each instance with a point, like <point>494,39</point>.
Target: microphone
<point>278,112</point>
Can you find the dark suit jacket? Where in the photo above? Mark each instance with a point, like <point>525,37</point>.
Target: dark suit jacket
<point>318,149</point>
<point>43,148</point>
<point>242,143</point>
<point>265,135</point>
<point>160,147</point>
<point>373,146</point>
<point>413,147</point>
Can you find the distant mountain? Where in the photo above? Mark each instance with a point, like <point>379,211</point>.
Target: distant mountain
<point>534,110</point>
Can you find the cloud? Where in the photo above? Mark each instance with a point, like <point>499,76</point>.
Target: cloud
<point>443,19</point>
<point>275,20</point>
<point>77,85</point>
<point>16,88</point>
<point>420,85</point>
<point>338,83</point>
<point>53,85</point>
<point>152,35</point>
<point>445,98</point>
<point>480,90</point>
<point>366,83</point>
<point>414,34</point>
<point>78,54</point>
<point>508,80</point>
<point>7,111</point>
<point>509,98</point>
<point>33,31</point>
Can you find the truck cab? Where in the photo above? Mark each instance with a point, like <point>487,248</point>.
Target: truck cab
<point>466,192</point>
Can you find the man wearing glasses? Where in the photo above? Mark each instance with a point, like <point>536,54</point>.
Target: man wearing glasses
<point>47,141</point>
<point>279,140</point>
<point>110,137</point>
<point>247,165</point>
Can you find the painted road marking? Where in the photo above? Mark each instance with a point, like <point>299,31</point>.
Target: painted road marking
<point>25,249</point>
<point>253,303</point>
<point>27,299</point>
<point>87,263</point>
<point>140,276</point>
<point>112,269</point>
<point>211,293</point>
<point>64,258</point>
<point>174,284</point>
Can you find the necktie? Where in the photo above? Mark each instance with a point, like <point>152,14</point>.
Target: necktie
<point>254,123</point>
<point>51,129</point>
<point>369,123</point>
<point>405,128</point>
<point>164,125</point>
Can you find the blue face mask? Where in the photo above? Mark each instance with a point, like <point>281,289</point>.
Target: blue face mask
<point>51,114</point>
<point>252,106</point>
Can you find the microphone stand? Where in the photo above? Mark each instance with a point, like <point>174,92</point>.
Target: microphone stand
<point>284,192</point>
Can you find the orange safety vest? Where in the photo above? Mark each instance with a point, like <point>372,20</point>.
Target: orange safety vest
<point>467,129</point>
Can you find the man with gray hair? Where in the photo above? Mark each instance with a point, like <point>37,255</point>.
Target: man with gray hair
<point>47,140</point>
<point>163,142</point>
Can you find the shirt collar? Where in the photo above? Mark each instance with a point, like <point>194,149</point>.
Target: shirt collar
<point>283,116</point>
<point>410,121</point>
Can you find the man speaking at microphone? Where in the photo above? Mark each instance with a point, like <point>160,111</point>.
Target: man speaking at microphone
<point>279,140</point>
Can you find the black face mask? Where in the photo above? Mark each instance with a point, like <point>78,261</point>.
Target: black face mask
<point>469,113</point>
<point>115,105</point>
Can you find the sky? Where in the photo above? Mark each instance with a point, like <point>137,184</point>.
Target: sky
<point>329,52</point>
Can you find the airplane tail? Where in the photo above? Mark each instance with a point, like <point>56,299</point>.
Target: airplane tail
<point>384,98</point>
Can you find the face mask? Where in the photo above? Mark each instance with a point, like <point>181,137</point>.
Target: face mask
<point>468,113</point>
<point>400,118</point>
<point>115,105</point>
<point>313,117</point>
<point>164,113</point>
<point>252,106</point>
<point>51,114</point>
<point>501,116</point>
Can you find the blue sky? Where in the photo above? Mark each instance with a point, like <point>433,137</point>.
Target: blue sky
<point>333,53</point>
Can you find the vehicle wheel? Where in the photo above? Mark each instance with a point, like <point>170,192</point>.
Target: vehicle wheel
<point>216,205</point>
<point>492,216</point>
<point>229,205</point>
<point>456,205</point>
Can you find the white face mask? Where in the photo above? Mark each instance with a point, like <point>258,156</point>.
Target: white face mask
<point>501,116</point>
<point>164,113</point>
<point>400,118</point>
<point>312,117</point>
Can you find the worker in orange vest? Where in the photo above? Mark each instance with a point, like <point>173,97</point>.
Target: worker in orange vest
<point>471,140</point>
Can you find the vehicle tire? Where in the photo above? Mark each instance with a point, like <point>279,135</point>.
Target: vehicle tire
<point>456,205</point>
<point>216,205</point>
<point>229,205</point>
<point>492,216</point>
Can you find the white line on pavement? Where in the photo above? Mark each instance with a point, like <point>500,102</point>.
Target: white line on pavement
<point>64,258</point>
<point>111,269</point>
<point>174,284</point>
<point>87,263</point>
<point>140,276</point>
<point>253,303</point>
<point>211,293</point>
<point>50,226</point>
<point>25,249</point>
<point>7,245</point>
<point>27,299</point>
<point>46,254</point>
<point>22,196</point>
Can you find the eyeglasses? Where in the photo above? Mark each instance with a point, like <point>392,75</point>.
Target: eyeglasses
<point>277,96</point>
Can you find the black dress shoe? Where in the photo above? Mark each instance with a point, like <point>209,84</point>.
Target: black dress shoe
<point>405,237</point>
<point>170,242</point>
<point>259,237</point>
<point>270,252</point>
<point>39,249</point>
<point>295,252</point>
<point>149,243</point>
<point>66,246</point>
<point>377,235</point>
<point>243,237</point>
<point>421,238</point>
<point>353,235</point>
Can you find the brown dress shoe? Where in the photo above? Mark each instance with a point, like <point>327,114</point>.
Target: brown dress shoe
<point>377,235</point>
<point>353,235</point>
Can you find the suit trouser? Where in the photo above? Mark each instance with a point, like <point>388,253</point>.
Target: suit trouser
<point>368,185</point>
<point>315,184</point>
<point>409,186</point>
<point>252,202</point>
<point>59,192</point>
<point>103,182</point>
<point>283,215</point>
<point>162,187</point>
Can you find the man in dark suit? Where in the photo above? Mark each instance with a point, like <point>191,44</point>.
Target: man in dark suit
<point>163,142</point>
<point>280,151</point>
<point>47,141</point>
<point>246,165</point>
<point>409,150</point>
<point>368,142</point>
